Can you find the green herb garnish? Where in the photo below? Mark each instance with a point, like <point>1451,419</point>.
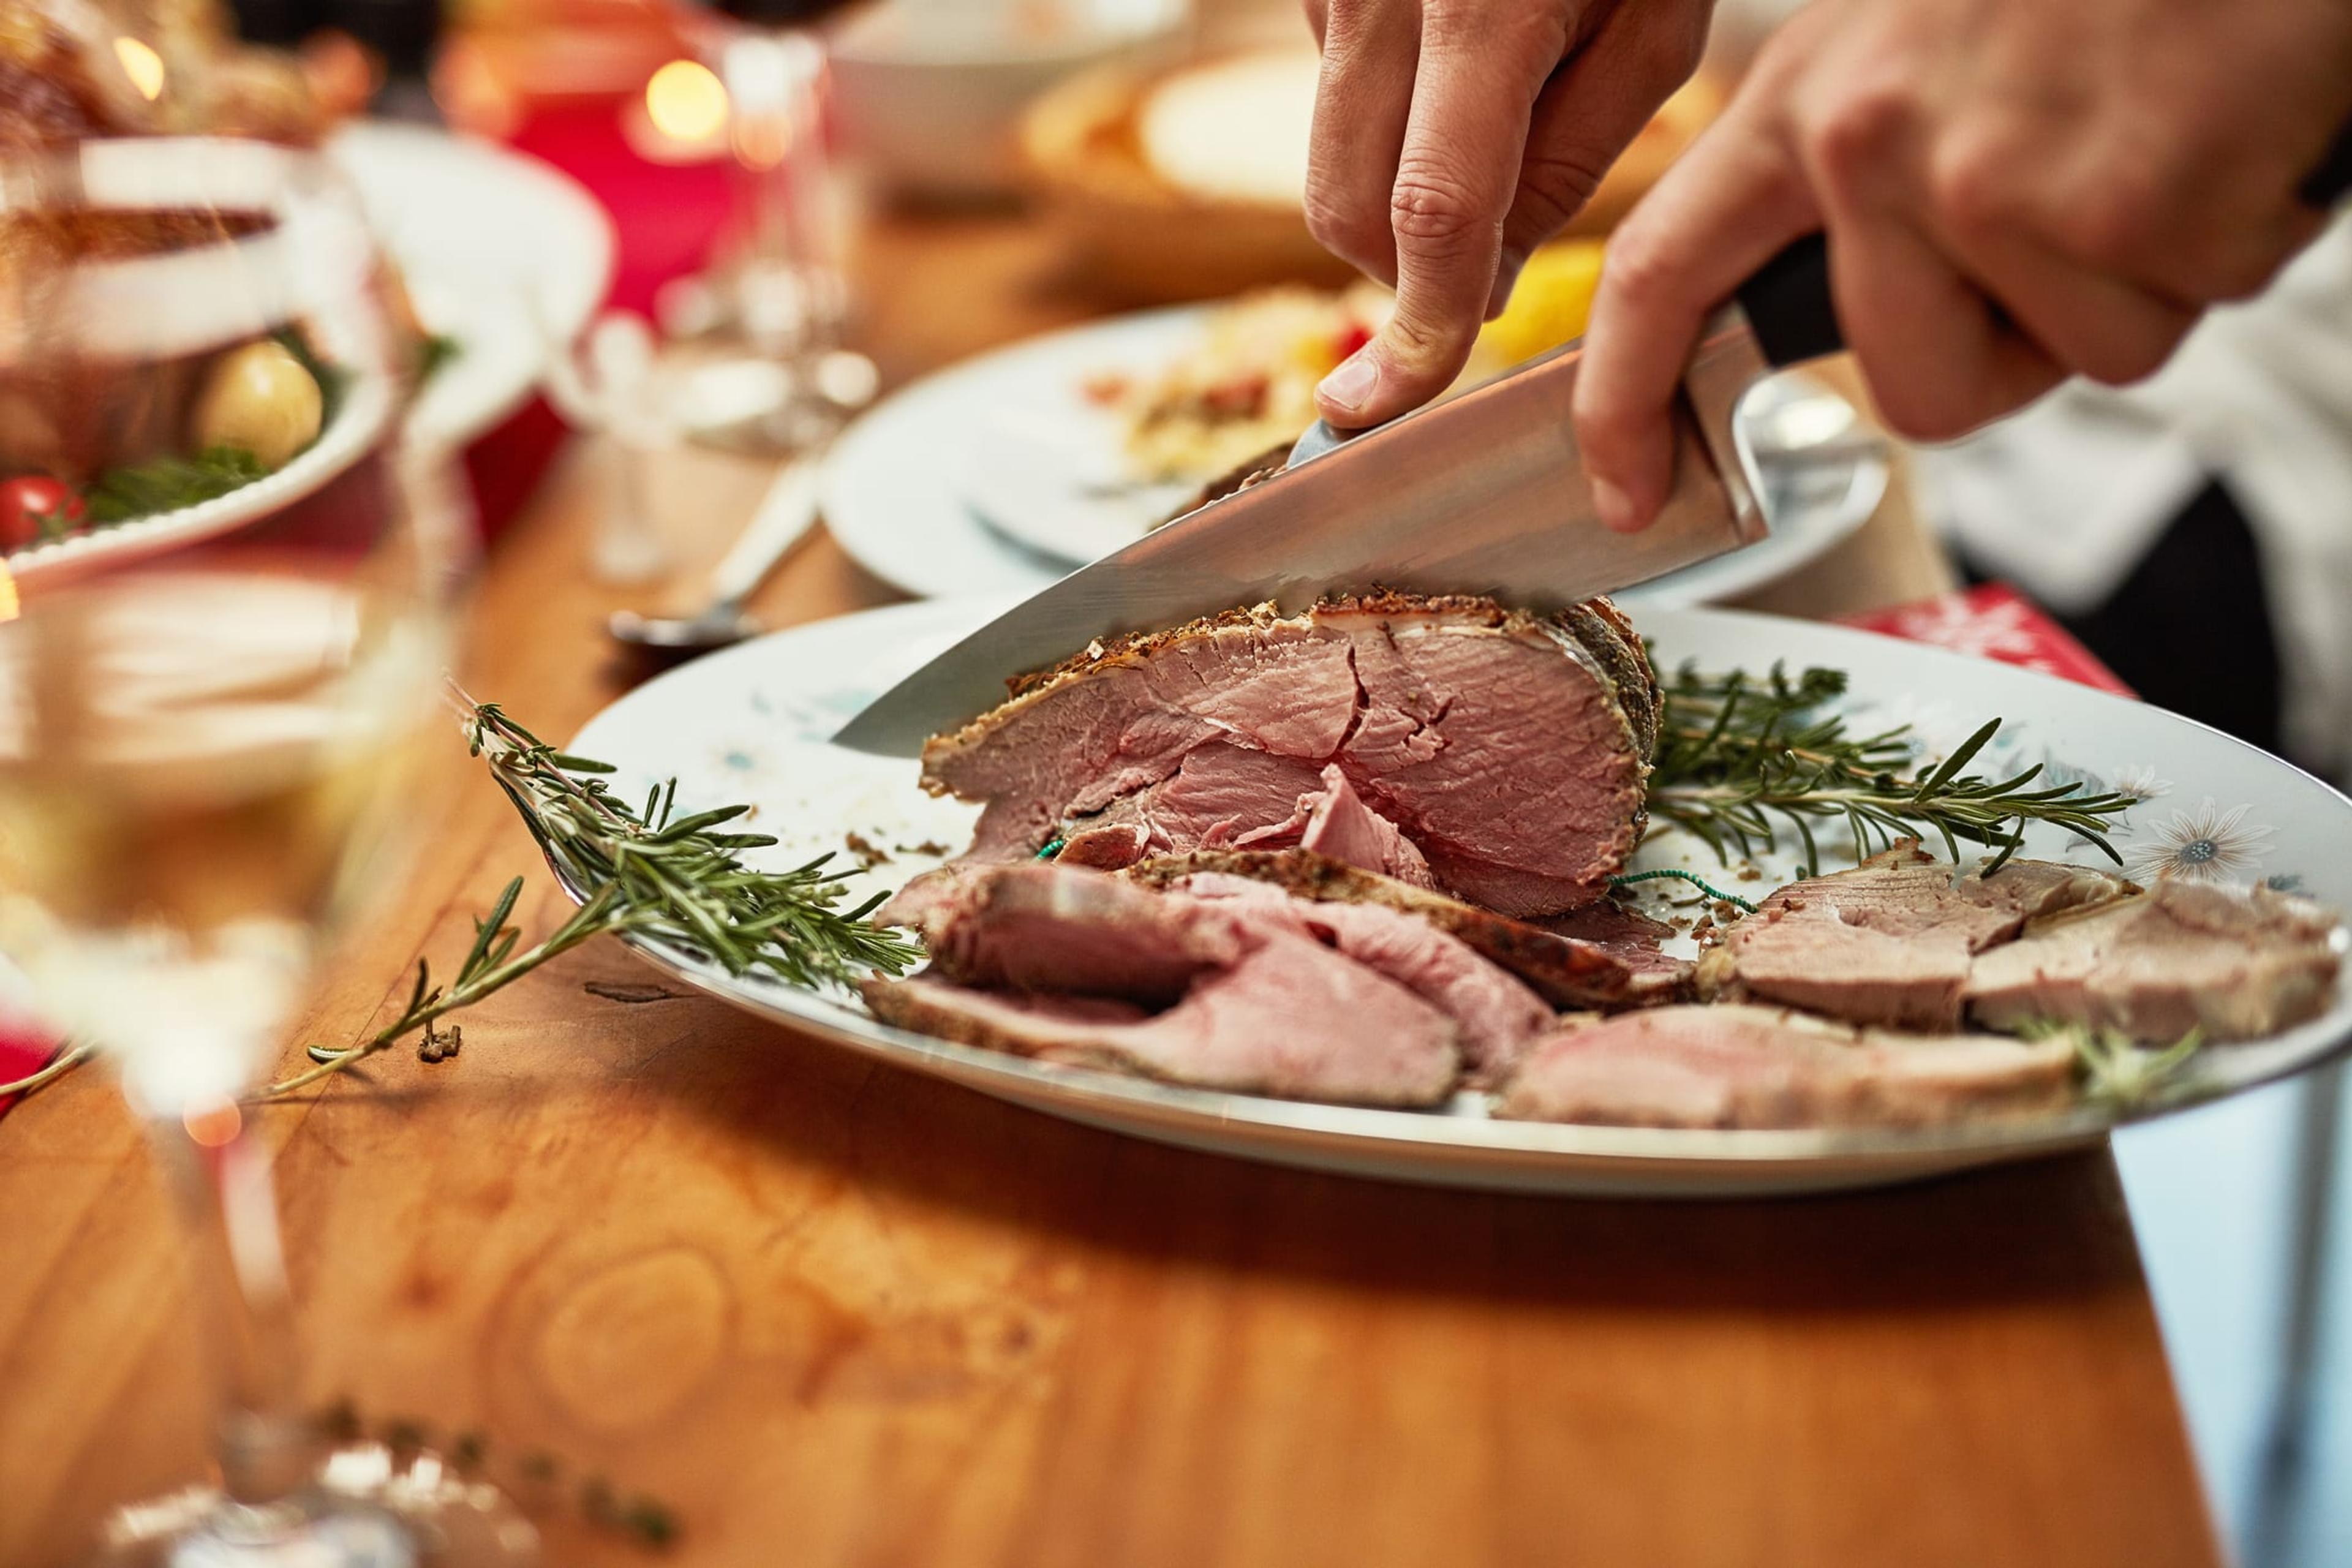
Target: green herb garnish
<point>2115,1068</point>
<point>438,351</point>
<point>675,880</point>
<point>169,483</point>
<point>333,379</point>
<point>1740,760</point>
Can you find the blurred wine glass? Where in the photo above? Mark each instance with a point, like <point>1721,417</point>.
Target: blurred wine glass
<point>227,644</point>
<point>776,300</point>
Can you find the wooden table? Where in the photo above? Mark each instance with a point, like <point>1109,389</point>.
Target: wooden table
<point>831,1313</point>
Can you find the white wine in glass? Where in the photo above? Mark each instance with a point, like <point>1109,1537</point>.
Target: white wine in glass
<point>225,645</point>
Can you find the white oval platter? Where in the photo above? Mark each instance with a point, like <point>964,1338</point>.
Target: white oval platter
<point>750,725</point>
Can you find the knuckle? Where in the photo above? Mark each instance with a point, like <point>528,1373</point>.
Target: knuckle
<point>2134,348</point>
<point>1605,428</point>
<point>1420,342</point>
<point>1973,188</point>
<point>1638,268</point>
<point>1432,210</point>
<point>2240,262</point>
<point>1858,130</point>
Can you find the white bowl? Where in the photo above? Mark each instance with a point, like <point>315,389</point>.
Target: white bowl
<point>930,91</point>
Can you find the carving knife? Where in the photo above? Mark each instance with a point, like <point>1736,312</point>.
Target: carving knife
<point>1482,494</point>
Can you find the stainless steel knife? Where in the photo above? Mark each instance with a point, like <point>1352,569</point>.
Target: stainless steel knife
<point>1482,494</point>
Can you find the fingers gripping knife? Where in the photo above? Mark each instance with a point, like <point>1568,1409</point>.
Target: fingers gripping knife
<point>1483,494</point>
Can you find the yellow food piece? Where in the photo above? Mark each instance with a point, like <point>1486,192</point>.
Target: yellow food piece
<point>1550,305</point>
<point>260,397</point>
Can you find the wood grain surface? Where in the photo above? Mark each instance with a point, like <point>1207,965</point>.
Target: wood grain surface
<point>831,1313</point>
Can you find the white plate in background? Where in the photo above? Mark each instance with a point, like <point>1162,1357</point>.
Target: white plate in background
<point>1000,474</point>
<point>501,253</point>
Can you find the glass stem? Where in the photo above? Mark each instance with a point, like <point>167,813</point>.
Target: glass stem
<point>220,1174</point>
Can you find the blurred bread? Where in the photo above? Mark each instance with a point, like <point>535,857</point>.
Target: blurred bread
<point>1139,236</point>
<point>1188,183</point>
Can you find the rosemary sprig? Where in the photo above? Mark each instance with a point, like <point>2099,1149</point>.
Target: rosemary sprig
<point>672,880</point>
<point>1740,760</point>
<point>677,879</point>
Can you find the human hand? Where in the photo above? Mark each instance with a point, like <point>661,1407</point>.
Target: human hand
<point>1452,137</point>
<point>2015,191</point>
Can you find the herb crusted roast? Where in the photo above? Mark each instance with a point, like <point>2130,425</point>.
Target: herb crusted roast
<point>1449,742</point>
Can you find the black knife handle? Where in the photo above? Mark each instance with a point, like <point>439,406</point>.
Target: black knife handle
<point>2326,185</point>
<point>1788,299</point>
<point>1788,303</point>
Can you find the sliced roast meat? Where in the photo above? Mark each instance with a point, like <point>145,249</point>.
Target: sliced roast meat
<point>1291,1017</point>
<point>1499,1016</point>
<point>1634,941</point>
<point>1043,928</point>
<point>2237,964</point>
<point>1050,928</point>
<point>1738,1066</point>
<point>1891,940</point>
<point>1507,749</point>
<point>1625,969</point>
<point>1340,827</point>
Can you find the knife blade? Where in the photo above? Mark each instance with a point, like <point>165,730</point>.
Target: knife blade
<point>1484,493</point>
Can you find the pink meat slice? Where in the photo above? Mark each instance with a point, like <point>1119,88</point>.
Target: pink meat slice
<point>1598,957</point>
<point>1750,1067</point>
<point>1505,751</point>
<point>1047,928</point>
<point>1340,827</point>
<point>2235,963</point>
<point>1076,966</point>
<point>1293,1018</point>
<point>1520,798</point>
<point>1499,1016</point>
<point>1226,796</point>
<point>1891,940</point>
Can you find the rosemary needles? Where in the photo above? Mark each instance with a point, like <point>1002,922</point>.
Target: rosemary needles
<point>1740,760</point>
<point>674,881</point>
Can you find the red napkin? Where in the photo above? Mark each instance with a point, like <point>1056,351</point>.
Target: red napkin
<point>1995,621</point>
<point>22,1054</point>
<point>666,218</point>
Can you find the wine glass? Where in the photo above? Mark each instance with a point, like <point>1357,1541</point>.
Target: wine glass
<point>777,298</point>
<point>227,640</point>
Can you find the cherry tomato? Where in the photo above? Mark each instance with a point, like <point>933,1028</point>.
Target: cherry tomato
<point>34,507</point>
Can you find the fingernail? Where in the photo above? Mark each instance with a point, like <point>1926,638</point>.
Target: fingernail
<point>1350,386</point>
<point>1614,506</point>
